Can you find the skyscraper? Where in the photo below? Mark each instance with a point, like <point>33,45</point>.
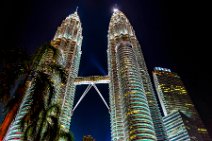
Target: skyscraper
<point>175,102</point>
<point>134,109</point>
<point>67,41</point>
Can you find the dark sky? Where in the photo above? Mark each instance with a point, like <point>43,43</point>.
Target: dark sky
<point>172,34</point>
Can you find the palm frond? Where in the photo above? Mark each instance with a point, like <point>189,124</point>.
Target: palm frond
<point>67,136</point>
<point>60,70</point>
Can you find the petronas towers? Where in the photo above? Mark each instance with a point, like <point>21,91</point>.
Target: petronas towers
<point>134,110</point>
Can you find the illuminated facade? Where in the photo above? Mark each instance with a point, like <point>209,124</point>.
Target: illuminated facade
<point>174,97</point>
<point>134,110</point>
<point>67,40</point>
<point>176,127</point>
<point>179,127</point>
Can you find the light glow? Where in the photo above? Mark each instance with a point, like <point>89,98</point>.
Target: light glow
<point>115,9</point>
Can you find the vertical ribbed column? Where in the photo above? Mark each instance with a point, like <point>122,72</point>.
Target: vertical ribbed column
<point>14,131</point>
<point>137,119</point>
<point>116,110</point>
<point>69,94</point>
<point>150,94</point>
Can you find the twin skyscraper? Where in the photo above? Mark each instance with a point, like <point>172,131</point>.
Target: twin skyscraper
<point>135,112</point>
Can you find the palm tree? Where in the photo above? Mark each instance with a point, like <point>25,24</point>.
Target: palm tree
<point>44,50</point>
<point>44,89</point>
<point>65,136</point>
<point>59,70</point>
<point>41,86</point>
<point>51,128</point>
<point>42,121</point>
<point>53,131</point>
<point>46,127</point>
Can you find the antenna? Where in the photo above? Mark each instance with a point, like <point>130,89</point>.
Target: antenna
<point>77,9</point>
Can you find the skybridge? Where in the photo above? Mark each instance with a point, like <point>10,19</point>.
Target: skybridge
<point>91,81</point>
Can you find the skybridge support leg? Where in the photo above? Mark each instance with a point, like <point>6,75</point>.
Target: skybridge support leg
<point>83,95</point>
<point>101,96</point>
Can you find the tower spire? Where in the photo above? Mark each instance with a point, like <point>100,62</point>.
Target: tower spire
<point>77,9</point>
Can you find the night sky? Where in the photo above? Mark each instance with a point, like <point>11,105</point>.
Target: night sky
<point>172,35</point>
